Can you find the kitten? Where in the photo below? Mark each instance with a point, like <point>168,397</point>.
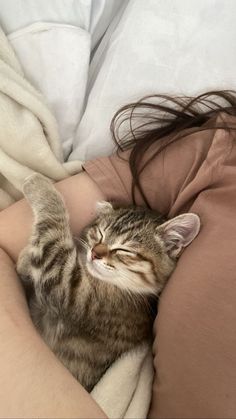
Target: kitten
<point>89,297</point>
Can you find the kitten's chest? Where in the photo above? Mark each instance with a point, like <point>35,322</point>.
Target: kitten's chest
<point>96,325</point>
<point>98,319</point>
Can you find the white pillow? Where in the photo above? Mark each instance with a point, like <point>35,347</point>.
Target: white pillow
<point>53,40</point>
<point>158,46</point>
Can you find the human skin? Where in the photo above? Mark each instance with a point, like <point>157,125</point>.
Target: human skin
<point>33,383</point>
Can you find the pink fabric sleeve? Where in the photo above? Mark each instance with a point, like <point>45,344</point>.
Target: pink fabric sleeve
<point>195,330</point>
<point>112,176</point>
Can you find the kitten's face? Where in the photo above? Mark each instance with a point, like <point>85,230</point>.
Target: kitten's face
<point>126,248</point>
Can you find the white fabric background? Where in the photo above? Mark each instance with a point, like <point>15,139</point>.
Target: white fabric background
<point>158,46</point>
<point>53,40</point>
<point>91,15</point>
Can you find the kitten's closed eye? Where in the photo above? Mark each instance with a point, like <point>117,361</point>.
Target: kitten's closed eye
<point>125,252</point>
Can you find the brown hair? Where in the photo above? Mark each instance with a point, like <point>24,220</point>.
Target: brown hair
<point>158,116</point>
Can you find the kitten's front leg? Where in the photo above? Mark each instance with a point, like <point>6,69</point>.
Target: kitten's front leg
<point>42,196</point>
<point>50,259</point>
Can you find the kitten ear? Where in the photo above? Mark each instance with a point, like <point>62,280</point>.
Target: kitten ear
<point>103,207</point>
<point>179,232</point>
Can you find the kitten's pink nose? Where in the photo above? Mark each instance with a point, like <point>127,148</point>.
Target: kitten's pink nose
<point>99,251</point>
<point>94,255</point>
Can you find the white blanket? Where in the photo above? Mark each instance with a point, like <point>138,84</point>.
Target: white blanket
<point>29,139</point>
<point>126,388</point>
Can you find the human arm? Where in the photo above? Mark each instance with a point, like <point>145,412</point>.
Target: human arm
<point>33,383</point>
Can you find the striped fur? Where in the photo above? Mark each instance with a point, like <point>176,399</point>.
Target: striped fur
<point>90,297</point>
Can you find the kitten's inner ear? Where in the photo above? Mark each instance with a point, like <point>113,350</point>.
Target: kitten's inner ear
<point>103,207</point>
<point>179,232</point>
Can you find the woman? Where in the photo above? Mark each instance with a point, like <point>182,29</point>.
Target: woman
<point>181,156</point>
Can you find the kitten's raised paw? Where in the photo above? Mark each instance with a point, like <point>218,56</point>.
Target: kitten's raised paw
<point>35,183</point>
<point>37,188</point>
<point>41,194</point>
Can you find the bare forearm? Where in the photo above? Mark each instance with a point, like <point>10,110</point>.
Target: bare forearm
<point>33,383</point>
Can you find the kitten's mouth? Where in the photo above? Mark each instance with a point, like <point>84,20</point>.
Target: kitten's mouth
<point>98,269</point>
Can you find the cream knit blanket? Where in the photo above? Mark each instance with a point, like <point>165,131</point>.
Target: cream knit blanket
<point>125,389</point>
<point>28,131</point>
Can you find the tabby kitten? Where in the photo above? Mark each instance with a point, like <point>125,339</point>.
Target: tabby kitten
<point>89,297</point>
